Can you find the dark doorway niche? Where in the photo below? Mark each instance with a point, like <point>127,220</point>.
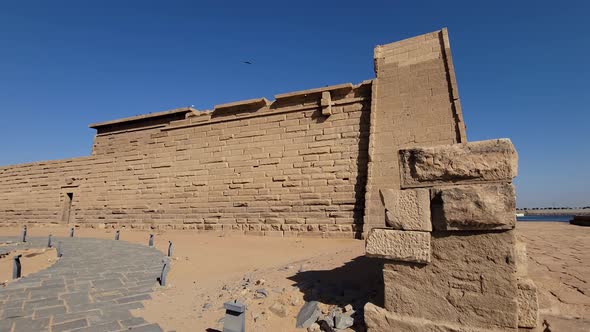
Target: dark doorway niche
<point>67,209</point>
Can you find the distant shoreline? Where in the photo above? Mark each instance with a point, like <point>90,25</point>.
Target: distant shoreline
<point>557,212</point>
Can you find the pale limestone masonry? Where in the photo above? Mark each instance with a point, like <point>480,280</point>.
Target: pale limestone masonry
<point>407,209</point>
<point>404,246</point>
<point>302,164</point>
<point>414,102</point>
<point>475,276</point>
<point>475,207</point>
<point>493,160</point>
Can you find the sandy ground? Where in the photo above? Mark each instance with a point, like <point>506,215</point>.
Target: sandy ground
<point>273,276</point>
<point>32,260</point>
<point>209,269</point>
<point>559,264</point>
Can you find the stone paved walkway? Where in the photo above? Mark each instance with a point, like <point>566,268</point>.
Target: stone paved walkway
<point>91,288</point>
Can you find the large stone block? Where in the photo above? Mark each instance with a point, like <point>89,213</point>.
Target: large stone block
<point>405,246</point>
<point>528,304</point>
<point>474,207</point>
<point>492,160</point>
<point>407,209</point>
<point>380,320</point>
<point>470,281</point>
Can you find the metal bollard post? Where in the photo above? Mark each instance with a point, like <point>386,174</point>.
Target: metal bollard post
<point>49,244</point>
<point>235,317</point>
<point>165,270</point>
<point>16,267</point>
<point>117,235</point>
<point>169,248</point>
<point>72,232</point>
<point>151,241</point>
<point>59,253</point>
<point>24,234</point>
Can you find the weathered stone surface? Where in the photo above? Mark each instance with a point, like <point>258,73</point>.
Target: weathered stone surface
<point>406,246</point>
<point>380,320</point>
<point>528,304</point>
<point>407,209</point>
<point>521,259</point>
<point>474,207</point>
<point>470,281</point>
<point>492,160</point>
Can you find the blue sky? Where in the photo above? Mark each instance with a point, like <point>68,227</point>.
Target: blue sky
<point>522,68</point>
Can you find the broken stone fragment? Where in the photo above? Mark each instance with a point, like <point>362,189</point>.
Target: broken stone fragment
<point>308,314</point>
<point>315,327</point>
<point>528,304</point>
<point>278,309</point>
<point>491,160</point>
<point>343,321</point>
<point>474,207</point>
<point>406,246</point>
<point>261,293</point>
<point>348,308</point>
<point>407,209</point>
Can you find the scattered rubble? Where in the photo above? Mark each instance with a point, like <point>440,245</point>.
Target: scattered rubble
<point>315,327</point>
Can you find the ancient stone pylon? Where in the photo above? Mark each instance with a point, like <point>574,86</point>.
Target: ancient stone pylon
<point>452,262</point>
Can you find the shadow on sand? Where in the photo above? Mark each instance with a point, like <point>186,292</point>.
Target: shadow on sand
<point>357,282</point>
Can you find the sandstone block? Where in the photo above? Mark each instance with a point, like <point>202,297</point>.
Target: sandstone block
<point>528,304</point>
<point>491,160</point>
<point>406,246</point>
<point>474,207</point>
<point>407,209</point>
<point>521,259</point>
<point>381,320</point>
<point>470,281</point>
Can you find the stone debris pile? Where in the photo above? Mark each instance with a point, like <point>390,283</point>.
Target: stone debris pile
<point>267,303</point>
<point>312,317</point>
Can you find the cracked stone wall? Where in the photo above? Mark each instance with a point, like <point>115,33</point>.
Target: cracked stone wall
<point>452,262</point>
<point>301,165</point>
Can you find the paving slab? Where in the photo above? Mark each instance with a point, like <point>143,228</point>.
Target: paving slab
<point>92,287</point>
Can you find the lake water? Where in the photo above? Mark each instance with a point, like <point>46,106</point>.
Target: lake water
<point>560,218</point>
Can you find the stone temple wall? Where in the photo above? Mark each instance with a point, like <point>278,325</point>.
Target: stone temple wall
<point>451,259</point>
<point>303,164</point>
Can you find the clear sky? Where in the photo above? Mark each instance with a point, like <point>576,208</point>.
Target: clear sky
<point>523,69</point>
